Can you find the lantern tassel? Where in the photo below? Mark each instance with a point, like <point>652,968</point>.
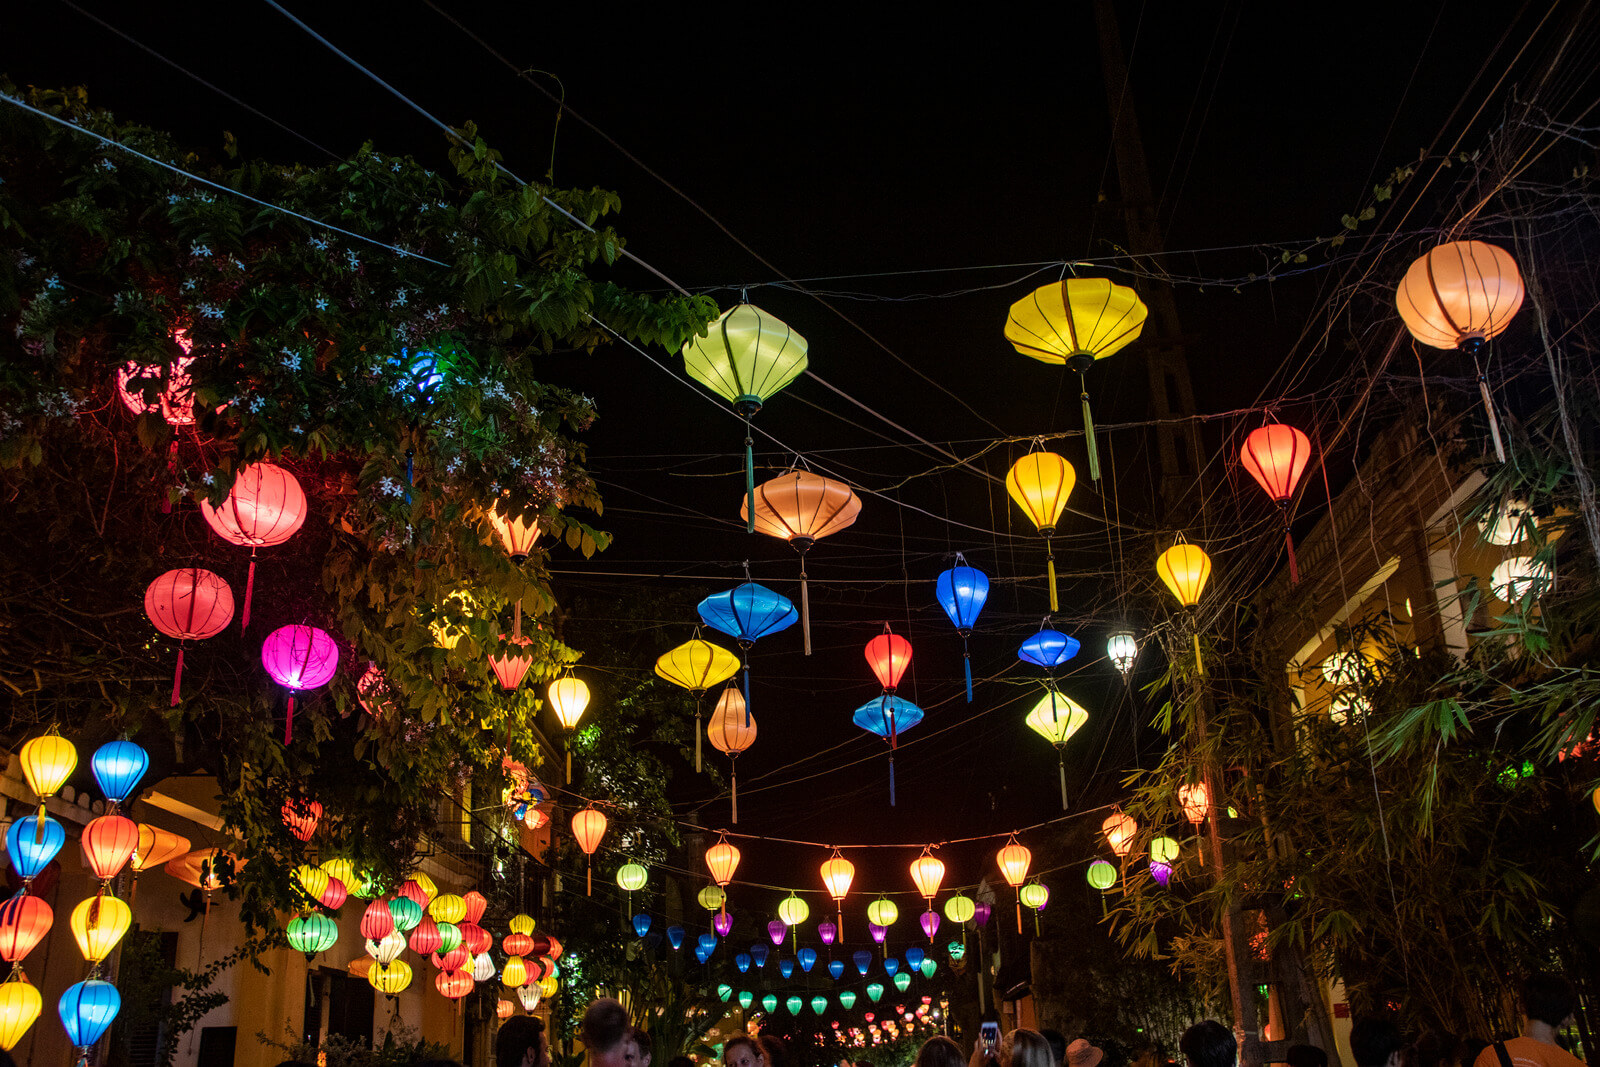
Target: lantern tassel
<point>1019,912</point>
<point>1088,435</point>
<point>1199,664</point>
<point>249,592</point>
<point>1294,566</point>
<point>735,775</point>
<point>1050,567</point>
<point>1061,766</point>
<point>569,761</point>
<point>749,479</point>
<point>288,721</point>
<point>177,679</point>
<point>516,626</point>
<point>589,880</point>
<point>805,605</point>
<point>698,730</point>
<point>747,693</point>
<point>891,779</point>
<point>966,664</point>
<point>1494,423</point>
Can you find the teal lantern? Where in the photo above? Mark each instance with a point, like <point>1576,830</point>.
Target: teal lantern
<point>794,1004</point>
<point>746,998</point>
<point>724,991</point>
<point>769,1003</point>
<point>847,999</point>
<point>874,991</point>
<point>819,1003</point>
<point>928,967</point>
<point>902,981</point>
<point>407,913</point>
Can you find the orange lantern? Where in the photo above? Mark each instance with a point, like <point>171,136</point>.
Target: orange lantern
<point>265,507</point>
<point>1014,860</point>
<point>1276,455</point>
<point>512,667</point>
<point>1119,830</point>
<point>504,1009</point>
<point>889,655</point>
<point>801,508</point>
<point>301,817</point>
<point>732,729</point>
<point>1457,297</point>
<point>722,859</point>
<point>588,826</point>
<point>156,847</point>
<point>518,536</point>
<point>1196,802</point>
<point>453,984</point>
<point>927,872</point>
<point>837,874</point>
<point>108,844</point>
<point>24,920</point>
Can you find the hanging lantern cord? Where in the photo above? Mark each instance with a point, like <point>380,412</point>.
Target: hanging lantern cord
<point>1473,346</point>
<point>892,746</point>
<point>733,774</point>
<point>569,757</point>
<point>1061,767</point>
<point>1050,567</point>
<point>699,726</point>
<point>1288,541</point>
<point>1088,428</point>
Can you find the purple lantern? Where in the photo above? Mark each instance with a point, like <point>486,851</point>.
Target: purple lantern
<point>777,931</point>
<point>1161,872</point>
<point>878,932</point>
<point>930,923</point>
<point>722,923</point>
<point>980,913</point>
<point>299,657</point>
<point>827,931</point>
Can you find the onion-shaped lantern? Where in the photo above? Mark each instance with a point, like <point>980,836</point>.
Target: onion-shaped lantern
<point>1040,483</point>
<point>24,920</point>
<point>1014,860</point>
<point>1049,648</point>
<point>391,978</point>
<point>732,729</point>
<point>299,658</point>
<point>312,934</point>
<point>190,604</point>
<point>888,717</point>
<point>962,592</point>
<point>1122,648</point>
<point>87,1011</point>
<point>588,826</point>
<point>747,613</point>
<point>1056,718</point>
<point>265,507</point>
<point>569,698</point>
<point>697,665</point>
<point>1276,455</point>
<point>802,508</point>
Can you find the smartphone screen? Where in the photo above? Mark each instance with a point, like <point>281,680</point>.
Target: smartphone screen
<point>990,1032</point>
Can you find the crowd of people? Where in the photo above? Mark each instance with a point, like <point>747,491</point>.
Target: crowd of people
<point>1549,1003</point>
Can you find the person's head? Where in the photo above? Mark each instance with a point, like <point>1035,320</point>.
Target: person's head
<point>639,1047</point>
<point>604,1031</point>
<point>940,1052</point>
<point>773,1050</point>
<point>1058,1045</point>
<point>1208,1044</point>
<point>1028,1049</point>
<point>1549,999</point>
<point>1375,1041</point>
<point>521,1043</point>
<point>1305,1056</point>
<point>742,1051</point>
<point>1081,1053</point>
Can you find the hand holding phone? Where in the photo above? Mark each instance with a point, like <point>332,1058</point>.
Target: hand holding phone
<point>989,1033</point>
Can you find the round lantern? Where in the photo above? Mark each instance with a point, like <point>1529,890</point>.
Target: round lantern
<point>521,924</point>
<point>889,655</point>
<point>32,842</point>
<point>1520,577</point>
<point>962,591</point>
<point>1072,323</point>
<point>189,603</point>
<point>87,1010</point>
<point>792,911</point>
<point>341,868</point>
<point>453,984</point>
<point>407,913</point>
<point>20,1004</point>
<point>888,717</point>
<point>802,508</point>
<point>1101,875</point>
<point>883,912</point>
<point>632,877</point>
<point>301,817</point>
<point>1121,649</point>
<point>1350,704</point>
<point>511,668</point>
<point>476,904</point>
<point>298,658</point>
<point>747,613</point>
<point>452,959</point>
<point>959,908</point>
<point>312,934</point>
<point>1508,523</point>
<point>1119,830</point>
<point>1040,483</point>
<point>1460,294</point>
<point>732,729</point>
<point>387,948</point>
<point>474,938</point>
<point>1195,800</point>
<point>504,1009</point>
<point>517,944</point>
<point>424,885</point>
<point>108,844</point>
<point>265,507</point>
<point>588,826</point>
<point>745,357</point>
<point>391,978</point>
<point>447,908</point>
<point>1163,849</point>
<point>548,986</point>
<point>449,938</point>
<point>1056,718</point>
<point>1014,860</point>
<point>1275,455</point>
<point>117,767</point>
<point>24,920</point>
<point>569,697</point>
<point>171,382</point>
<point>697,665</point>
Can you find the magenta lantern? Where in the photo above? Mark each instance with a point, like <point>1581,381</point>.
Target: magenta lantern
<point>930,923</point>
<point>827,931</point>
<point>299,657</point>
<point>722,922</point>
<point>878,932</point>
<point>980,913</point>
<point>777,931</point>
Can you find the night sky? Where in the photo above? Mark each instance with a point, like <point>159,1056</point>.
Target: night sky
<point>876,153</point>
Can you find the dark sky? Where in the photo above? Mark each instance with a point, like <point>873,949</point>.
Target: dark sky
<point>843,142</point>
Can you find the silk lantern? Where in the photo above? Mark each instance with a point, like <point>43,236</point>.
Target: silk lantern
<point>641,924</point>
<point>697,665</point>
<point>1102,876</point>
<point>390,979</point>
<point>299,658</point>
<point>1049,648</point>
<point>1508,522</point>
<point>722,859</point>
<point>1040,483</point>
<point>632,877</point>
<point>1035,896</point>
<point>888,717</point>
<point>453,984</point>
<point>802,508</point>
<point>518,535</point>
<point>747,613</point>
<point>1457,296</point>
<point>476,904</point>
<point>20,1004</point>
<point>1122,648</point>
<point>108,843</point>
<point>837,874</point>
<point>1119,830</point>
<point>1074,322</point>
<point>1520,577</point>
<point>265,507</point>
<point>745,357</point>
<point>1185,569</point>
<point>32,842</point>
<point>1276,455</point>
<point>24,921</point>
<point>732,729</point>
<point>173,385</point>
<point>312,934</point>
<point>377,921</point>
<point>511,667</point>
<point>117,767</point>
<point>828,931</point>
<point>889,655</point>
<point>927,871</point>
<point>588,826</point>
<point>529,996</point>
<point>569,698</point>
<point>962,592</point>
<point>1195,800</point>
<point>407,913</point>
<point>188,604</point>
<point>1014,860</point>
<point>87,1010</point>
<point>1056,718</point>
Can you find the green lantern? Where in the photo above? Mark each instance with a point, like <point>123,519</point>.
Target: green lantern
<point>769,1003</point>
<point>960,908</point>
<point>847,999</point>
<point>874,991</point>
<point>819,1003</point>
<point>928,967</point>
<point>449,937</point>
<point>902,980</point>
<point>407,913</point>
<point>724,991</point>
<point>712,897</point>
<point>794,1004</point>
<point>957,949</point>
<point>632,877</point>
<point>746,998</point>
<point>312,933</point>
<point>883,912</point>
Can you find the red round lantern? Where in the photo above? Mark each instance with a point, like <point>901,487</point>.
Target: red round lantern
<point>517,944</point>
<point>425,939</point>
<point>1276,455</point>
<point>474,937</point>
<point>265,507</point>
<point>889,655</point>
<point>553,947</point>
<point>175,401</point>
<point>301,817</point>
<point>24,920</point>
<point>189,603</point>
<point>511,668</point>
<point>334,896</point>
<point>108,844</point>
<point>377,922</point>
<point>453,984</point>
<point>412,890</point>
<point>541,945</point>
<point>476,902</point>
<point>453,960</point>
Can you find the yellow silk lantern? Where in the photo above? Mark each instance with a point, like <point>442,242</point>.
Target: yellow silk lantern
<point>793,911</point>
<point>314,880</point>
<point>1185,569</point>
<point>712,897</point>
<point>1056,718</point>
<point>1074,322</point>
<point>390,979</point>
<point>927,872</point>
<point>569,697</point>
<point>697,665</point>
<point>426,884</point>
<point>447,908</point>
<point>340,868</point>
<point>548,986</point>
<point>47,762</point>
<point>20,1004</point>
<point>882,912</point>
<point>837,874</point>
<point>722,859</point>
<point>98,923</point>
<point>1163,849</point>
<point>1040,483</point>
<point>521,924</point>
<point>515,972</point>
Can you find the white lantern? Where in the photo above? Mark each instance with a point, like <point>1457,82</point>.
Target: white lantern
<point>1121,648</point>
<point>1519,576</point>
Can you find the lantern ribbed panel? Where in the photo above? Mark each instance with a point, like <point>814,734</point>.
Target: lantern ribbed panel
<point>117,767</point>
<point>962,591</point>
<point>748,612</point>
<point>837,874</point>
<point>174,388</point>
<point>731,728</point>
<point>1185,569</point>
<point>1119,830</point>
<point>927,872</point>
<point>1088,316</point>
<point>265,507</point>
<point>517,534</point>
<point>745,353</point>
<point>24,921</point>
<point>1049,648</point>
<point>588,826</point>
<point>510,669</point>
<point>1460,291</point>
<point>98,924</point>
<point>722,859</point>
<point>87,1010</point>
<point>476,904</point>
<point>189,603</point>
<point>887,716</point>
<point>108,844</point>
<point>390,979</point>
<point>889,655</point>
<point>697,665</point>
<point>1040,483</point>
<point>799,505</point>
<point>1195,800</point>
<point>300,657</point>
<point>1014,861</point>
<point>959,908</point>
<point>301,817</point>
<point>1276,455</point>
<point>157,846</point>
<point>377,921</point>
<point>1056,718</point>
<point>20,1005</point>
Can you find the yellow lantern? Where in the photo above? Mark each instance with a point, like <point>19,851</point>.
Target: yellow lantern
<point>1014,860</point>
<point>1185,569</point>
<point>341,869</point>
<point>1040,483</point>
<point>390,979</point>
<point>1056,718</point>
<point>314,880</point>
<point>425,884</point>
<point>569,697</point>
<point>712,898</point>
<point>697,665</point>
<point>1074,322</point>
<point>515,972</point>
<point>20,1005</point>
<point>960,909</point>
<point>447,908</point>
<point>548,986</point>
<point>882,912</point>
<point>793,911</point>
<point>927,872</point>
<point>1163,849</point>
<point>521,924</point>
<point>47,762</point>
<point>446,632</point>
<point>98,923</point>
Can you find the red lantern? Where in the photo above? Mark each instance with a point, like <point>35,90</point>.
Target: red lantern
<point>377,922</point>
<point>265,507</point>
<point>372,690</point>
<point>454,984</point>
<point>453,960</point>
<point>334,896</point>
<point>476,902</point>
<point>108,843</point>
<point>413,891</point>
<point>517,944</point>
<point>425,939</point>
<point>175,400</point>
<point>889,655</point>
<point>1276,455</point>
<point>301,817</point>
<point>511,668</point>
<point>24,920</point>
<point>188,604</point>
<point>552,947</point>
<point>474,937</point>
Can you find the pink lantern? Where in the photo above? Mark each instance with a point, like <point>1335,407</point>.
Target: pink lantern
<point>879,933</point>
<point>175,401</point>
<point>777,931</point>
<point>722,922</point>
<point>299,657</point>
<point>930,923</point>
<point>511,668</point>
<point>372,690</point>
<point>188,603</point>
<point>265,507</point>
<point>827,931</point>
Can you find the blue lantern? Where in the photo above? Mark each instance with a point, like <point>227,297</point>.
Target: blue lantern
<point>914,957</point>
<point>87,1011</point>
<point>641,925</point>
<point>651,942</point>
<point>759,954</point>
<point>117,767</point>
<point>708,942</point>
<point>675,937</point>
<point>888,717</point>
<point>1049,649</point>
<point>962,591</point>
<point>890,965</point>
<point>742,961</point>
<point>702,953</point>
<point>836,969</point>
<point>786,968</point>
<point>863,960</point>
<point>807,958</point>
<point>747,613</point>
<point>33,842</point>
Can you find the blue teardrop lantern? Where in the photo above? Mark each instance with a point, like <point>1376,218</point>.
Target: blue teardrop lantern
<point>759,954</point>
<point>962,591</point>
<point>891,965</point>
<point>87,1011</point>
<point>1048,648</point>
<point>641,925</point>
<point>914,957</point>
<point>807,958</point>
<point>742,961</point>
<point>786,968</point>
<point>702,953</point>
<point>863,960</point>
<point>748,613</point>
<point>675,937</point>
<point>708,942</point>
<point>836,969</point>
<point>117,767</point>
<point>32,843</point>
<point>888,717</point>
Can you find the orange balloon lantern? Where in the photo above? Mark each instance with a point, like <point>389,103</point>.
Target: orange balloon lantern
<point>108,844</point>
<point>157,846</point>
<point>189,604</point>
<point>24,920</point>
<point>511,668</point>
<point>518,536</point>
<point>927,871</point>
<point>732,729</point>
<point>1014,860</point>
<point>837,874</point>
<point>301,817</point>
<point>722,859</point>
<point>1276,455</point>
<point>588,826</point>
<point>889,655</point>
<point>1196,802</point>
<point>801,508</point>
<point>454,984</point>
<point>265,507</point>
<point>1119,830</point>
